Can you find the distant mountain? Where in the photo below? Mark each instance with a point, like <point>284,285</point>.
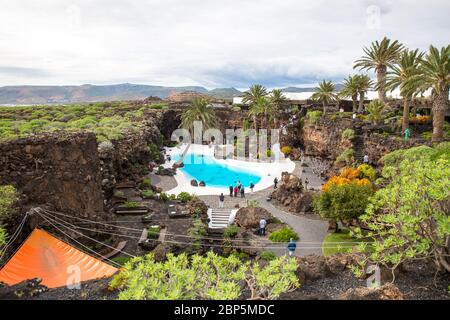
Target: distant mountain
<point>224,93</point>
<point>93,93</point>
<point>309,89</point>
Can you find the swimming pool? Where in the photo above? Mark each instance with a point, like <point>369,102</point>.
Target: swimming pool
<point>206,168</point>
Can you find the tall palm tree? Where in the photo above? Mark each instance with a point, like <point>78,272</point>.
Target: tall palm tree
<point>325,94</point>
<point>364,83</point>
<point>251,98</point>
<point>199,110</point>
<point>256,91</point>
<point>277,99</point>
<point>256,109</point>
<point>400,75</point>
<point>434,73</point>
<point>350,90</point>
<point>379,57</point>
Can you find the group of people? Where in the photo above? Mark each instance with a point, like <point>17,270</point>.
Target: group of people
<point>239,189</point>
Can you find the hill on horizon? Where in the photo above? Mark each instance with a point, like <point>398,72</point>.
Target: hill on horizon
<point>99,93</point>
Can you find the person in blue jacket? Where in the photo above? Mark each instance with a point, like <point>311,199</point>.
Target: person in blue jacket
<point>291,247</point>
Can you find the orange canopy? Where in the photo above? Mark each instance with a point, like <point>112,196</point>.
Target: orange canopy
<point>54,261</point>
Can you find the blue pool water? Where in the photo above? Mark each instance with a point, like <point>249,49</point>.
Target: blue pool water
<point>206,168</point>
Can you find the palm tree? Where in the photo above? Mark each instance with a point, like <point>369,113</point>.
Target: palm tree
<point>199,110</point>
<point>350,90</point>
<point>255,111</point>
<point>379,57</point>
<point>325,94</point>
<point>434,73</point>
<point>401,74</point>
<point>376,109</point>
<point>277,99</point>
<point>364,83</point>
<point>251,98</point>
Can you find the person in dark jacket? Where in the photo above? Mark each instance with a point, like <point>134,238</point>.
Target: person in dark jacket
<point>291,247</point>
<point>275,182</point>
<point>231,191</point>
<point>221,200</point>
<point>242,191</point>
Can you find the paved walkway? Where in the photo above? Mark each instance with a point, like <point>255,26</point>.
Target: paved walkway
<point>310,229</point>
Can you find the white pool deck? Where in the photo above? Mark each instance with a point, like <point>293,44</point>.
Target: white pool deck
<point>267,170</point>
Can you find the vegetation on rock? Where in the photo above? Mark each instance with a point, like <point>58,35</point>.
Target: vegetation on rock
<point>283,235</point>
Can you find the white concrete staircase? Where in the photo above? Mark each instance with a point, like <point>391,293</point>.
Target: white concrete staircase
<point>219,218</point>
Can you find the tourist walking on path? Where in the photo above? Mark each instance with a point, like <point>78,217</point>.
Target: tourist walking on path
<point>366,159</point>
<point>221,200</point>
<point>406,134</point>
<point>252,186</point>
<point>262,227</point>
<point>275,182</point>
<point>231,191</point>
<point>306,183</point>
<point>242,192</point>
<point>236,190</point>
<point>291,247</point>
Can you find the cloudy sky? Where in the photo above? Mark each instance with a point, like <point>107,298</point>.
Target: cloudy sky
<point>213,43</point>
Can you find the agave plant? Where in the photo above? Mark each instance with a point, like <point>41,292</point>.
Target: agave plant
<point>434,74</point>
<point>325,94</point>
<point>376,110</point>
<point>199,110</point>
<point>400,76</point>
<point>379,57</point>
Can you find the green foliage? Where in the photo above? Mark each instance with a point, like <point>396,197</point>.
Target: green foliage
<point>343,202</point>
<point>131,204</point>
<point>252,204</point>
<point>283,235</point>
<point>367,171</point>
<point>203,277</point>
<point>8,195</point>
<point>346,157</point>
<point>408,216</point>
<point>427,135</point>
<point>153,149</point>
<point>153,232</point>
<point>348,134</point>
<point>342,242</point>
<point>314,116</point>
<point>231,231</point>
<point>146,182</point>
<point>287,150</point>
<point>184,197</point>
<point>199,110</point>
<point>268,255</point>
<point>197,231</point>
<point>148,193</point>
<point>376,110</point>
<point>119,194</point>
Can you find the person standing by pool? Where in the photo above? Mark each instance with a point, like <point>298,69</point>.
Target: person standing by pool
<point>242,192</point>
<point>231,191</point>
<point>291,247</point>
<point>275,182</point>
<point>252,186</point>
<point>221,200</point>
<point>236,190</point>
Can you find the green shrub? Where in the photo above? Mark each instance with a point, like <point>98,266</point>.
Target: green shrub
<point>146,182</point>
<point>346,157</point>
<point>268,255</point>
<point>287,150</point>
<point>153,232</point>
<point>197,231</point>
<point>210,277</point>
<point>367,171</point>
<point>8,195</point>
<point>119,194</point>
<point>153,149</point>
<point>131,204</point>
<point>184,197</point>
<point>283,235</point>
<point>314,116</point>
<point>231,231</point>
<point>252,204</point>
<point>343,202</point>
<point>148,193</point>
<point>426,135</point>
<point>348,134</point>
